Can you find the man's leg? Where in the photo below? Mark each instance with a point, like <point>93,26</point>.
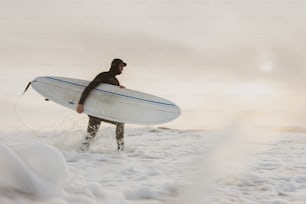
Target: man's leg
<point>119,133</point>
<point>120,136</point>
<point>92,129</point>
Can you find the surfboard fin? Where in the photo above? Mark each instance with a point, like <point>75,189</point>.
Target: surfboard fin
<point>27,87</point>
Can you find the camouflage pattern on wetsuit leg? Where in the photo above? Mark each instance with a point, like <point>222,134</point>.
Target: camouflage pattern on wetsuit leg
<point>120,136</point>
<point>93,127</point>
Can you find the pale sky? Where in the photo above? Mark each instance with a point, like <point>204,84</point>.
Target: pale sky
<point>215,59</point>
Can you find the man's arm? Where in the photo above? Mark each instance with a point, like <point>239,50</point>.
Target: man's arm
<point>93,84</point>
<point>87,90</point>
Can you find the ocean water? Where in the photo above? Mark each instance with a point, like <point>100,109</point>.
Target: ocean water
<point>159,165</point>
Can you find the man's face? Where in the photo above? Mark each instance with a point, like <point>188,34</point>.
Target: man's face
<point>121,67</point>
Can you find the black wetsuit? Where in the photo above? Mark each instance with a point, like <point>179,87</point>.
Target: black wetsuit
<point>94,122</point>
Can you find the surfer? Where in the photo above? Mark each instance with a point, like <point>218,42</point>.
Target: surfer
<point>109,77</point>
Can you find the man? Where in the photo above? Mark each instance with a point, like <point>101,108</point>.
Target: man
<point>109,77</point>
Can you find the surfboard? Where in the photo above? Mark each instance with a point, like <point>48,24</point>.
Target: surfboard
<point>107,101</point>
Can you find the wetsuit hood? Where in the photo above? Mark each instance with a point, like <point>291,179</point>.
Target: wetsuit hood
<point>114,70</point>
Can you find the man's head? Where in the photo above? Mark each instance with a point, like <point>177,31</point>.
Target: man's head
<point>117,66</point>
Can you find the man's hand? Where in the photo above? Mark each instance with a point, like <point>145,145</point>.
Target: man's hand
<point>122,87</point>
<point>80,108</point>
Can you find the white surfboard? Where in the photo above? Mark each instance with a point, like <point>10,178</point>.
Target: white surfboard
<point>108,101</point>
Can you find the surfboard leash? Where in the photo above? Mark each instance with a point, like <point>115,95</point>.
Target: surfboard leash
<point>27,87</point>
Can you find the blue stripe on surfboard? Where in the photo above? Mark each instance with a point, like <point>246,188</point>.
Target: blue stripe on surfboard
<point>109,92</point>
